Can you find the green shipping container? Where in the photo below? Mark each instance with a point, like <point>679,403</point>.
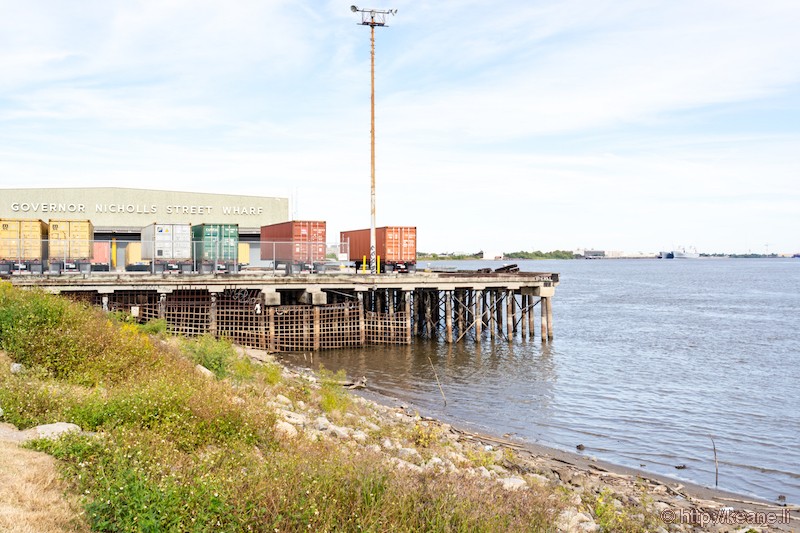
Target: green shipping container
<point>216,242</point>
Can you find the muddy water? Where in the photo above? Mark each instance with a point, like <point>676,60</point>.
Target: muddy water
<point>651,359</point>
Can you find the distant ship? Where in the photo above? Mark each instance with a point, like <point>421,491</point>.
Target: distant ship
<point>683,254</point>
<point>679,253</point>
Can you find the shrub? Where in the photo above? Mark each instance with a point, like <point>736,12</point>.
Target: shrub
<point>214,354</point>
<point>156,326</point>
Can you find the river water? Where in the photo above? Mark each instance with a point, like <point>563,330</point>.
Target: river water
<point>651,359</point>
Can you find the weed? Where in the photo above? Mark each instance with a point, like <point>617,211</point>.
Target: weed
<point>333,395</point>
<point>214,354</point>
<point>172,451</point>
<point>424,436</point>
<point>156,326</point>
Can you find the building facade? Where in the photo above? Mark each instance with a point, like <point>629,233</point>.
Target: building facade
<point>120,211</point>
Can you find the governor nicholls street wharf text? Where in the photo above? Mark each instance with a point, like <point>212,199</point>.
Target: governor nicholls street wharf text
<point>52,207</point>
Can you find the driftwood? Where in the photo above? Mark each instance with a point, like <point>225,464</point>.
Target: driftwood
<point>360,384</point>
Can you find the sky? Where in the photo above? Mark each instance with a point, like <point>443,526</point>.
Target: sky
<point>627,125</point>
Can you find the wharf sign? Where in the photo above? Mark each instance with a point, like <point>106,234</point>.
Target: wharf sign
<point>135,209</point>
<point>110,207</point>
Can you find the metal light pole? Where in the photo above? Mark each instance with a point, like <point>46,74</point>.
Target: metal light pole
<point>372,18</point>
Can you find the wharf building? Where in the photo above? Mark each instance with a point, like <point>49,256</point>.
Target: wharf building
<point>120,213</point>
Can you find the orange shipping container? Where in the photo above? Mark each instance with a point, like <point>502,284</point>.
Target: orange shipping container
<point>394,244</point>
<point>295,241</point>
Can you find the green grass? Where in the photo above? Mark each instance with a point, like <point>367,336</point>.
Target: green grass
<point>334,398</point>
<point>170,450</point>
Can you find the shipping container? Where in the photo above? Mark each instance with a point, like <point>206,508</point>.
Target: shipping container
<point>215,243</point>
<point>296,241</point>
<point>167,242</point>
<point>133,254</point>
<point>395,245</point>
<point>101,254</point>
<point>23,240</point>
<point>244,253</point>
<point>70,240</point>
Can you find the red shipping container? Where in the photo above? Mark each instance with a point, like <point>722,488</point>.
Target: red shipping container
<point>101,252</point>
<point>393,244</point>
<point>295,241</point>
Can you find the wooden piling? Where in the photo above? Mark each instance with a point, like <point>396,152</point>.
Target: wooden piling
<point>317,335</point>
<point>543,306</point>
<point>271,336</point>
<point>531,321</point>
<point>492,313</point>
<point>407,302</point>
<point>478,315</point>
<point>524,315</point>
<point>212,315</point>
<point>498,309</point>
<point>509,315</point>
<point>448,316</point>
<point>549,318</point>
<point>362,330</point>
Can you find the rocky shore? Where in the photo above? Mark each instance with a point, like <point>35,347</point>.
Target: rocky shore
<point>589,495</point>
<point>599,496</point>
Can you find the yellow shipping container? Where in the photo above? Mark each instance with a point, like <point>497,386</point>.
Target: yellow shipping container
<point>244,253</point>
<point>22,239</point>
<point>71,239</point>
<point>133,253</point>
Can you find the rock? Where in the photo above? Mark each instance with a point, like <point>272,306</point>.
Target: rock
<point>409,454</point>
<point>538,479</point>
<point>339,432</point>
<point>571,520</point>
<point>11,433</point>
<point>661,506</point>
<point>513,483</point>
<point>434,464</point>
<point>296,419</point>
<point>285,429</point>
<point>371,426</point>
<point>50,431</point>
<point>483,471</point>
<point>387,444</point>
<point>313,435</point>
<point>301,405</point>
<point>203,371</point>
<point>322,423</point>
<point>499,469</point>
<point>359,436</point>
<point>283,400</point>
<point>17,368</point>
<point>405,465</point>
<point>458,459</point>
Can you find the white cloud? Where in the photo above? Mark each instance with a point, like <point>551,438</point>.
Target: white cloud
<point>522,125</point>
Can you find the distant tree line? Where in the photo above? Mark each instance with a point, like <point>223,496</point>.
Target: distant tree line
<point>428,256</point>
<point>555,254</point>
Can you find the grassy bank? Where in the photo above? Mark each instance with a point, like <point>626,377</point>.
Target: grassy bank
<point>165,448</point>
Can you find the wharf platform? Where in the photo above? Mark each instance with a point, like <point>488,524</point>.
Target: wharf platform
<point>302,312</point>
